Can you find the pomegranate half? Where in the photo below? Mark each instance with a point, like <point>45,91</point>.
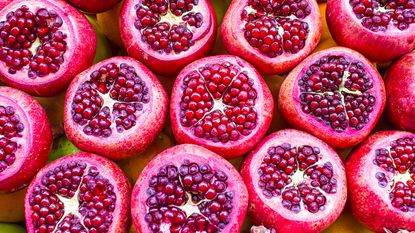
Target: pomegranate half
<point>381,182</point>
<point>44,44</point>
<point>25,138</point>
<point>272,35</point>
<point>188,188</point>
<point>296,183</point>
<point>115,108</point>
<point>335,94</point>
<point>81,192</point>
<point>221,103</point>
<point>167,35</point>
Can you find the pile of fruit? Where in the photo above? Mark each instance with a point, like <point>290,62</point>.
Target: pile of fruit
<point>207,116</point>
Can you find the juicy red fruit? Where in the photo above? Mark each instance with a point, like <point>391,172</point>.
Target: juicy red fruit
<point>94,6</point>
<point>221,102</point>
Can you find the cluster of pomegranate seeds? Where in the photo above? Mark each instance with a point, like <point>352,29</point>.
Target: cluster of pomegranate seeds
<point>78,199</point>
<point>168,26</point>
<point>113,94</point>
<point>398,162</point>
<point>218,102</point>
<point>32,40</point>
<point>10,128</point>
<point>294,175</point>
<point>335,90</point>
<point>379,15</point>
<point>276,26</point>
<point>191,198</point>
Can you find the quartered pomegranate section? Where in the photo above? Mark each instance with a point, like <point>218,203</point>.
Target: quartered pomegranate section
<point>79,193</point>
<point>189,189</point>
<point>221,102</point>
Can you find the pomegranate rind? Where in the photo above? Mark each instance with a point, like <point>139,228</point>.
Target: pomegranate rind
<point>79,55</point>
<point>264,106</point>
<point>175,156</point>
<point>37,136</point>
<point>94,6</point>
<point>130,142</point>
<point>270,212</point>
<point>107,169</point>
<point>161,63</point>
<point>232,34</point>
<point>289,102</point>
<point>382,46</point>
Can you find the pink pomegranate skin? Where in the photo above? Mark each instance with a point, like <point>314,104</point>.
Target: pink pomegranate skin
<point>79,53</point>
<point>289,99</point>
<point>381,46</point>
<point>264,108</point>
<point>107,170</point>
<point>130,142</point>
<point>160,62</point>
<point>94,6</point>
<point>400,101</point>
<point>233,30</point>
<point>34,141</point>
<point>195,154</point>
<point>3,3</point>
<point>369,202</point>
<point>271,212</point>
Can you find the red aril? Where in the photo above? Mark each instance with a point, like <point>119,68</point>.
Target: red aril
<point>94,6</point>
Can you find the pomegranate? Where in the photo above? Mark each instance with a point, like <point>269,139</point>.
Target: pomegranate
<point>43,45</point>
<point>221,103</point>
<point>400,102</point>
<point>296,183</point>
<point>188,188</point>
<point>115,108</point>
<point>262,229</point>
<point>336,95</point>
<point>381,181</point>
<point>3,3</point>
<point>380,30</point>
<point>167,35</point>
<point>81,192</point>
<point>273,35</point>
<point>25,141</point>
<point>94,6</point>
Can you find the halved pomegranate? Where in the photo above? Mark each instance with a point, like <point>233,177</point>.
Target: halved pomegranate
<point>166,35</point>
<point>25,138</point>
<point>81,192</point>
<point>115,108</point>
<point>43,45</point>
<point>381,181</point>
<point>188,188</point>
<point>380,30</point>
<point>296,183</point>
<point>274,35</point>
<point>94,6</point>
<point>221,103</point>
<point>336,95</point>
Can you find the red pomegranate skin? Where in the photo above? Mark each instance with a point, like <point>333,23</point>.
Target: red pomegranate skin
<point>94,6</point>
<point>3,3</point>
<point>107,169</point>
<point>195,154</point>
<point>264,107</point>
<point>271,212</point>
<point>369,202</point>
<point>400,101</point>
<point>289,100</point>
<point>381,46</point>
<point>35,140</point>
<point>79,53</point>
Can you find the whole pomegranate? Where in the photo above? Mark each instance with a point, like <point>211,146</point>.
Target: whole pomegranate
<point>167,35</point>
<point>381,182</point>
<point>296,183</point>
<point>43,45</point>
<point>25,138</point>
<point>336,95</point>
<point>94,6</point>
<point>221,103</point>
<point>380,30</point>
<point>400,103</point>
<point>115,108</point>
<point>188,188</point>
<point>273,35</point>
<point>81,192</point>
